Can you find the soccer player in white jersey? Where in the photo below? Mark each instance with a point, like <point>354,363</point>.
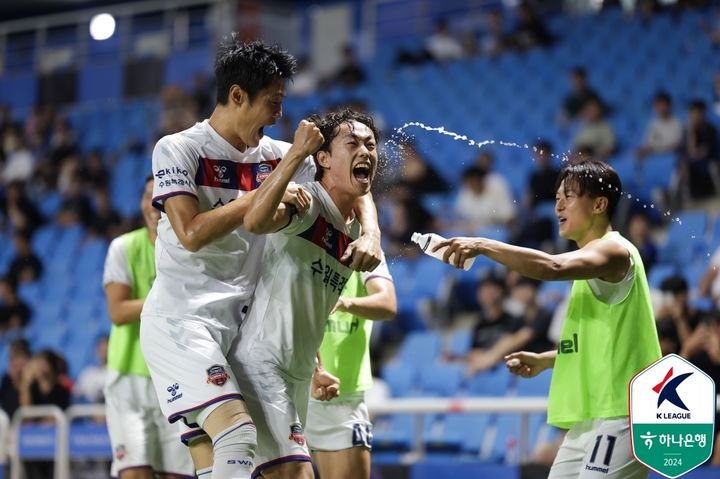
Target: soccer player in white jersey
<point>301,279</point>
<point>207,263</point>
<point>339,432</point>
<point>144,444</point>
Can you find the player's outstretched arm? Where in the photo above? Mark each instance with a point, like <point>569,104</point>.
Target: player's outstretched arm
<point>599,258</point>
<point>529,365</point>
<point>379,304</point>
<point>262,218</point>
<point>366,251</point>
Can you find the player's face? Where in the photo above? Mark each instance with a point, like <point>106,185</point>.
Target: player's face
<point>265,110</point>
<point>352,162</point>
<point>574,212</point>
<point>150,214</point>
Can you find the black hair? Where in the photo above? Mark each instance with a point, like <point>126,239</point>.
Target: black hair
<point>20,346</point>
<point>149,177</point>
<point>593,178</point>
<point>674,284</point>
<point>663,96</point>
<point>476,172</point>
<point>579,71</point>
<point>329,126</point>
<point>252,66</point>
<point>698,105</point>
<point>544,146</point>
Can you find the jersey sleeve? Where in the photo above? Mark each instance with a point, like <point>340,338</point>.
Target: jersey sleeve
<point>116,265</point>
<point>306,172</point>
<point>381,271</point>
<point>174,167</point>
<point>299,223</point>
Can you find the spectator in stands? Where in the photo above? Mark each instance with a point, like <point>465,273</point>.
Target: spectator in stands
<point>42,381</point>
<point>709,286</point>
<point>639,235</point>
<point>492,323</point>
<point>596,132</point>
<point>107,222</point>
<point>76,207</point>
<point>19,356</point>
<point>664,132</point>
<point>574,102</point>
<point>91,381</point>
<point>495,39</point>
<point>699,153</point>
<point>712,28</point>
<point>441,45</point>
<point>533,229</point>
<point>304,82</point>
<point>668,337</point>
<point>179,111</point>
<point>677,307</point>
<point>25,267</point>
<point>14,313</point>
<point>19,160</point>
<point>531,332</point>
<point>62,141</point>
<point>202,94</point>
<point>350,73</point>
<point>530,31</point>
<point>417,174</point>
<point>40,384</point>
<point>404,215</point>
<point>93,171</point>
<point>484,200</point>
<point>20,213</point>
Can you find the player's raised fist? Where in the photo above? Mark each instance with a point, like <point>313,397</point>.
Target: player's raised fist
<point>307,138</point>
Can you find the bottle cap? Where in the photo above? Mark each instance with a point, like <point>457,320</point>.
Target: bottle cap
<point>415,238</point>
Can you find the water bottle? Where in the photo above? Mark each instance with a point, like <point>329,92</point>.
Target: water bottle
<point>428,241</point>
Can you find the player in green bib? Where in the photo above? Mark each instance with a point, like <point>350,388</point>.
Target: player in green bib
<point>339,432</point>
<point>609,332</point>
<point>144,444</point>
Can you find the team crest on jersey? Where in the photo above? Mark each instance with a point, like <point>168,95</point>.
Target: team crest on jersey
<point>296,434</point>
<point>217,375</point>
<point>263,171</point>
<point>120,452</point>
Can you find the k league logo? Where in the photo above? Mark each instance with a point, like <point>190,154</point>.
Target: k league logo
<point>672,416</point>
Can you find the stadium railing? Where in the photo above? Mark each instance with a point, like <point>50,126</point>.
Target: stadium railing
<point>4,429</point>
<point>35,441</point>
<point>421,406</point>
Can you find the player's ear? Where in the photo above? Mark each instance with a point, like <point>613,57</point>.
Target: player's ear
<point>323,158</point>
<point>601,204</point>
<point>237,95</point>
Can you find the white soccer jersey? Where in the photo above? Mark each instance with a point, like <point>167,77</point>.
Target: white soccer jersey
<point>214,281</point>
<point>300,281</point>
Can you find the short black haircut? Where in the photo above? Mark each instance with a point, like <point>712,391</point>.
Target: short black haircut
<point>20,346</point>
<point>663,96</point>
<point>579,72</point>
<point>593,178</point>
<point>252,66</point>
<point>699,105</point>
<point>329,126</point>
<point>543,145</point>
<point>474,172</point>
<point>674,284</point>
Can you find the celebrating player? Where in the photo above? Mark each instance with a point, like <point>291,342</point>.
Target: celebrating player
<point>301,278</point>
<point>143,442</point>
<point>339,432</point>
<point>609,332</point>
<point>207,263</point>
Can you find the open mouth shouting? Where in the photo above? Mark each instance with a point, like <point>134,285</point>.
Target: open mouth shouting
<point>361,172</point>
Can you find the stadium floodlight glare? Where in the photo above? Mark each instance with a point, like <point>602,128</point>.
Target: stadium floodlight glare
<point>102,26</point>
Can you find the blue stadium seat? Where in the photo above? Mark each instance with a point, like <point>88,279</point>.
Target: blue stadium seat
<point>420,348</point>
<point>442,379</point>
<point>459,343</point>
<point>394,433</point>
<point>401,378</point>
<point>537,386</point>
<point>508,433</point>
<point>493,382</point>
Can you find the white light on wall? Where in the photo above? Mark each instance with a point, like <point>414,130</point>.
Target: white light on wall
<point>102,26</point>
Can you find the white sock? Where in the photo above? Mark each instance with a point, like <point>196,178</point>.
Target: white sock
<point>233,452</point>
<point>204,473</point>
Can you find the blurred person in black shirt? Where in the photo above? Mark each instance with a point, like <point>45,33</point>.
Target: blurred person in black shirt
<point>10,386</point>
<point>25,267</point>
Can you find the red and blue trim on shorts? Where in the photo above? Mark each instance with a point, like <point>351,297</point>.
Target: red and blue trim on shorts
<point>176,416</point>
<point>280,460</point>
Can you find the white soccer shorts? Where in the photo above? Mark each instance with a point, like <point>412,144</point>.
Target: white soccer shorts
<point>139,433</point>
<point>338,424</point>
<point>278,407</point>
<point>595,449</point>
<point>188,365</point>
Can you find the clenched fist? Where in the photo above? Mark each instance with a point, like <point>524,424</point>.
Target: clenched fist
<point>308,138</point>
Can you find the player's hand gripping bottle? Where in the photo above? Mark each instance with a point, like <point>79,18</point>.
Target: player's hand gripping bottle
<point>428,241</point>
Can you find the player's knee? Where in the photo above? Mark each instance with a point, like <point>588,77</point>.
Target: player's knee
<point>137,473</point>
<point>229,413</point>
<point>201,451</point>
<point>290,470</point>
<point>234,451</point>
